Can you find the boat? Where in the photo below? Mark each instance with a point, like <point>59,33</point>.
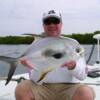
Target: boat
<point>7,92</point>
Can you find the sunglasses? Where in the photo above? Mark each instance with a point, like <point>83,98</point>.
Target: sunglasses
<point>51,21</point>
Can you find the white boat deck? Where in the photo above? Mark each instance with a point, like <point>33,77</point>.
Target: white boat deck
<point>7,92</point>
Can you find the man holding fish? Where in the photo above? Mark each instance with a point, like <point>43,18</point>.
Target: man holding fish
<point>60,81</point>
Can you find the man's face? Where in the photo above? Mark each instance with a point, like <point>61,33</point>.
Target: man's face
<point>52,26</point>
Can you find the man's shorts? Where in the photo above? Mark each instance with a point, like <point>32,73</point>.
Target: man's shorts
<point>53,91</point>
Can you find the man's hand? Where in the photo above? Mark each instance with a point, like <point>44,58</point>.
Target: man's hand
<point>26,63</point>
<point>70,65</point>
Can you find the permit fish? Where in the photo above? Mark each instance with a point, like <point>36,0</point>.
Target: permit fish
<point>47,54</point>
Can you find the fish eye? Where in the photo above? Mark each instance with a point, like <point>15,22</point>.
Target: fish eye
<point>77,50</point>
<point>58,55</point>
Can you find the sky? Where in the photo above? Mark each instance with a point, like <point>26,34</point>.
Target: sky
<point>25,16</point>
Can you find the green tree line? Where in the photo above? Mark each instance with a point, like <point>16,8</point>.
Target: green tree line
<point>86,38</point>
<point>16,40</point>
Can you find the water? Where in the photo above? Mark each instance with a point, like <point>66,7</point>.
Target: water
<point>17,50</point>
<point>12,51</point>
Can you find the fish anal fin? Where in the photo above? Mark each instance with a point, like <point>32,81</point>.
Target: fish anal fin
<point>44,73</point>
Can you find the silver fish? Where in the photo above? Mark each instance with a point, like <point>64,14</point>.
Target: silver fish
<point>47,54</point>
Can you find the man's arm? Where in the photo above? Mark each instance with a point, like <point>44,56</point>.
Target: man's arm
<point>78,69</point>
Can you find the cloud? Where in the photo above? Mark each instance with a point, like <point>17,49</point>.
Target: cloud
<point>18,16</point>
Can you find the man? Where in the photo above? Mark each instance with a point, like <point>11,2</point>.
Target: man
<point>53,88</point>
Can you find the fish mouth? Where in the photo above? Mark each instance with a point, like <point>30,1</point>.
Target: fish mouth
<point>44,73</point>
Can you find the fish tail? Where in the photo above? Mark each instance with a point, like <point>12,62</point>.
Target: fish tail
<point>13,64</point>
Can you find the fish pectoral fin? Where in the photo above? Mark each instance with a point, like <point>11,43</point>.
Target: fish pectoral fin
<point>44,73</point>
